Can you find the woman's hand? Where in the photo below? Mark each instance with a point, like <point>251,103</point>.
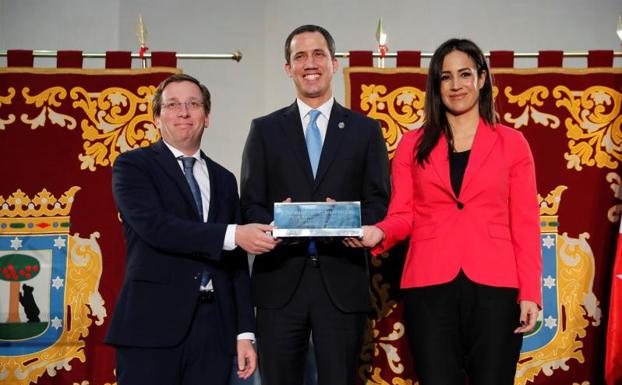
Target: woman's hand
<point>528,316</point>
<point>372,235</point>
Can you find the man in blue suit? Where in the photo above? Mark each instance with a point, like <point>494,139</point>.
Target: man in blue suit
<point>184,309</point>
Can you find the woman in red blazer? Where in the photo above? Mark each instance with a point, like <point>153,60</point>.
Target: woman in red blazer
<point>464,190</point>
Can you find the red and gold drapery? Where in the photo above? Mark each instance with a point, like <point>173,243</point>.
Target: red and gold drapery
<point>573,121</point>
<point>60,131</point>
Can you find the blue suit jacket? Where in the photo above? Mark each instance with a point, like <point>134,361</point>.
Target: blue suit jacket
<point>168,247</point>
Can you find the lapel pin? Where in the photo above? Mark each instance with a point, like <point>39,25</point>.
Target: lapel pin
<point>341,125</point>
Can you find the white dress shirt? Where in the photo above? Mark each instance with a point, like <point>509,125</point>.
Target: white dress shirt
<point>322,120</point>
<point>202,176</point>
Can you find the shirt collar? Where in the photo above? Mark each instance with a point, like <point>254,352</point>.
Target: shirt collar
<point>324,109</point>
<point>178,154</point>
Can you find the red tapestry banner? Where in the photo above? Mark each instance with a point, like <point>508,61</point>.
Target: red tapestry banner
<point>61,242</point>
<point>573,121</point>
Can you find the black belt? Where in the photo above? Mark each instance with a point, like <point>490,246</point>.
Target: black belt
<point>206,296</point>
<point>313,261</point>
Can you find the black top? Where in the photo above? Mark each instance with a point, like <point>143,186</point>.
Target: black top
<point>457,165</point>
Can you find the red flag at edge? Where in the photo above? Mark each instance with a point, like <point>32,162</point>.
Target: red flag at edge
<point>613,357</point>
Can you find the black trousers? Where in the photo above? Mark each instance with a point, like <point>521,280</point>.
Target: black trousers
<point>463,332</point>
<point>198,359</point>
<point>283,337</point>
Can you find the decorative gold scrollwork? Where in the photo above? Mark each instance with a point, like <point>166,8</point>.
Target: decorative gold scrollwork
<point>7,99</point>
<point>372,375</point>
<point>375,343</point>
<point>594,126</point>
<point>117,121</point>
<point>46,100</point>
<point>528,99</point>
<point>613,214</point>
<point>399,111</point>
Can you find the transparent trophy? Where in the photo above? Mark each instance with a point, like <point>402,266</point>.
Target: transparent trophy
<point>317,219</point>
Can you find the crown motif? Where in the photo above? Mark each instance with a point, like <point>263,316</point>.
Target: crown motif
<point>548,209</point>
<point>41,214</point>
<point>550,204</point>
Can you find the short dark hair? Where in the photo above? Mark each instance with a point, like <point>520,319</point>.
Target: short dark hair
<point>330,42</point>
<point>436,123</point>
<point>156,105</point>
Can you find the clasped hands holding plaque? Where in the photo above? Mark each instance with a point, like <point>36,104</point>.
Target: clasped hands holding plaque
<point>324,221</point>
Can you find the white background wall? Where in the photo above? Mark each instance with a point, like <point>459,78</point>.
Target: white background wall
<point>258,84</point>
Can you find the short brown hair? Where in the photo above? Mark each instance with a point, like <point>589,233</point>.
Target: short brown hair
<point>156,105</point>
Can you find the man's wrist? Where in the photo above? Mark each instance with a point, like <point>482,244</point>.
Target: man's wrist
<point>247,336</point>
<point>229,241</point>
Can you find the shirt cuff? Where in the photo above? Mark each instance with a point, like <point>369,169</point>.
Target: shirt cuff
<point>229,243</point>
<point>247,336</point>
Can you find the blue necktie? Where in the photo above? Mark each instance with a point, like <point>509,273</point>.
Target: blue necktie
<point>314,148</point>
<point>192,182</point>
<point>314,141</point>
<point>188,163</point>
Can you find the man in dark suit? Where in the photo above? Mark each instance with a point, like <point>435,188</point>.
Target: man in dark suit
<point>184,310</point>
<point>312,150</point>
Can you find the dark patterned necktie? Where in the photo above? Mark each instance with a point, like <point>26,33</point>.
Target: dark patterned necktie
<point>188,163</point>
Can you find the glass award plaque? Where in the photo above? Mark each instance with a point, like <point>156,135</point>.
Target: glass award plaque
<point>317,219</point>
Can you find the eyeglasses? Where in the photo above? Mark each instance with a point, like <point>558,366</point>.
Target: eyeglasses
<point>191,105</point>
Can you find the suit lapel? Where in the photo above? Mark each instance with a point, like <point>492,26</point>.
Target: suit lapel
<point>439,158</point>
<point>484,141</point>
<point>171,166</point>
<point>213,194</point>
<point>337,125</point>
<point>294,134</point>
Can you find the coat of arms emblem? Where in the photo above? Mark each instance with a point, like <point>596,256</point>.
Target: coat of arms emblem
<point>49,286</point>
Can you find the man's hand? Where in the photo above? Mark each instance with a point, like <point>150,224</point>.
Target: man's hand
<point>247,359</point>
<point>253,238</point>
<point>528,316</point>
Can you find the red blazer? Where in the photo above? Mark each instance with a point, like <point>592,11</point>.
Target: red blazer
<point>491,232</point>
